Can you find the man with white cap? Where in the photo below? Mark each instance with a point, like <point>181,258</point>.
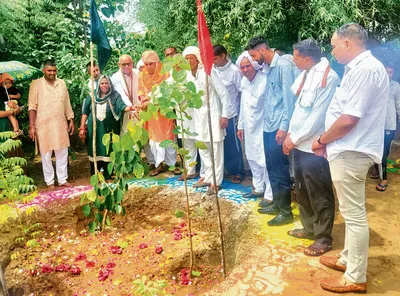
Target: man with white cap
<point>218,96</point>
<point>250,125</point>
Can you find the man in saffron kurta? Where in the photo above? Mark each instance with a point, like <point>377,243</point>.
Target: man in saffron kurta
<point>50,120</point>
<point>160,128</point>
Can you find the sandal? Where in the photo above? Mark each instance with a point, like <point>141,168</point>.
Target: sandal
<point>66,185</point>
<point>374,176</point>
<point>200,184</point>
<point>237,179</point>
<point>157,171</point>
<point>188,177</point>
<point>317,249</point>
<point>300,233</point>
<point>211,190</point>
<point>381,187</point>
<point>177,171</point>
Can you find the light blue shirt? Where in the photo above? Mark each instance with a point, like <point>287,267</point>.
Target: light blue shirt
<point>279,99</point>
<point>308,120</point>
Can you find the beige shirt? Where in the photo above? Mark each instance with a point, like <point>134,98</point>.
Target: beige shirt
<point>53,109</point>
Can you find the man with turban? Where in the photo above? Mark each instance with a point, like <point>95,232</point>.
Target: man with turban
<point>218,96</point>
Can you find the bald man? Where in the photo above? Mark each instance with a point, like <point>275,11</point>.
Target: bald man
<point>126,82</point>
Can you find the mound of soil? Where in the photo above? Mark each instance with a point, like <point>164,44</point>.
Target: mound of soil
<point>150,241</point>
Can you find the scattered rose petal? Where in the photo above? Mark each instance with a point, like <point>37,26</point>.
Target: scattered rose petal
<point>116,250</point>
<point>143,246</point>
<point>90,264</point>
<point>158,250</point>
<point>47,268</point>
<point>110,265</point>
<point>177,236</point>
<point>104,274</point>
<point>80,257</point>
<point>62,267</point>
<point>75,270</point>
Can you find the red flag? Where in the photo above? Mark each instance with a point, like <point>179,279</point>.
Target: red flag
<point>206,49</point>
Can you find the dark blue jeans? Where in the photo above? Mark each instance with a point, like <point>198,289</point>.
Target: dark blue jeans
<point>278,172</point>
<point>233,156</point>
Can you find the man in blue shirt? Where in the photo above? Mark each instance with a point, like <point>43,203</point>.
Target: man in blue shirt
<point>278,108</point>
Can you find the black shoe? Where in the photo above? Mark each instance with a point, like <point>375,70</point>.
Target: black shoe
<point>281,220</point>
<point>265,203</point>
<point>253,194</point>
<point>269,211</point>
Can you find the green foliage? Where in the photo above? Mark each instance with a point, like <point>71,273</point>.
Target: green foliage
<point>16,188</point>
<point>107,198</point>
<point>147,287</point>
<point>233,22</point>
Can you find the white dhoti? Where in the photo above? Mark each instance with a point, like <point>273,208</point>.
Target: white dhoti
<point>162,154</point>
<point>261,180</point>
<point>205,156</point>
<point>189,146</point>
<point>61,166</point>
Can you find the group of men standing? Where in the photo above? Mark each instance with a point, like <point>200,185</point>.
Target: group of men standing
<point>332,127</point>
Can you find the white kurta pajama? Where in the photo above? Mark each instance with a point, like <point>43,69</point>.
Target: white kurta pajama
<point>219,108</point>
<point>251,120</point>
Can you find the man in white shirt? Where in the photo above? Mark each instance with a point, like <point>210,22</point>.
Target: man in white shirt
<point>314,89</point>
<point>231,78</point>
<point>353,141</point>
<point>126,82</point>
<point>96,74</point>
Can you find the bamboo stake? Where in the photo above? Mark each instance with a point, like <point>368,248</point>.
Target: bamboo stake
<point>93,108</point>
<point>221,233</point>
<point>187,198</point>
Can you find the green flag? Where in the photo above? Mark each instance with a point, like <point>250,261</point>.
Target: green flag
<point>98,36</point>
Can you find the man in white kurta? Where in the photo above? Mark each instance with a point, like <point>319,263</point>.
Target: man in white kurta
<point>51,122</point>
<point>126,82</point>
<point>250,126</point>
<point>219,113</point>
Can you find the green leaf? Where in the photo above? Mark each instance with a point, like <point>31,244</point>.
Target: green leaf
<point>166,143</point>
<point>108,221</point>
<point>200,145</point>
<point>196,273</point>
<point>183,152</point>
<point>171,115</point>
<point>138,170</point>
<point>97,203</point>
<point>92,226</point>
<point>115,138</point>
<point>106,141</point>
<point>192,164</point>
<point>110,168</point>
<point>109,202</point>
<point>118,195</point>
<point>127,142</point>
<point>122,244</point>
<point>171,168</point>
<point>94,180</point>
<point>179,76</point>
<point>99,218</point>
<point>86,210</point>
<point>179,214</point>
<point>144,115</point>
<point>191,86</point>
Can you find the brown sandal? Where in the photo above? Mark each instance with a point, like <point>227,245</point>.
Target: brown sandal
<point>237,179</point>
<point>200,184</point>
<point>188,177</point>
<point>157,171</point>
<point>317,249</point>
<point>300,233</point>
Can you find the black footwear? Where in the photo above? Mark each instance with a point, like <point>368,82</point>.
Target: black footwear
<point>269,211</point>
<point>253,194</point>
<point>265,203</point>
<point>281,220</point>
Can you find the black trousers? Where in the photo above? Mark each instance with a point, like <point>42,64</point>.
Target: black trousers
<point>278,172</point>
<point>233,156</point>
<point>314,194</point>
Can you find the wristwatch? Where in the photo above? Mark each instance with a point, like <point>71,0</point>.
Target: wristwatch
<point>319,141</point>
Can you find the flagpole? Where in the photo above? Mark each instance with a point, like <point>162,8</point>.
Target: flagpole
<point>221,232</point>
<point>93,108</point>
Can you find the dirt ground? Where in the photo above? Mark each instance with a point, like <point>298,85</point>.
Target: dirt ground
<point>274,263</point>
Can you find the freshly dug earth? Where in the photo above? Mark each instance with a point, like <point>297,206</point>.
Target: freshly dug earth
<point>150,223</point>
